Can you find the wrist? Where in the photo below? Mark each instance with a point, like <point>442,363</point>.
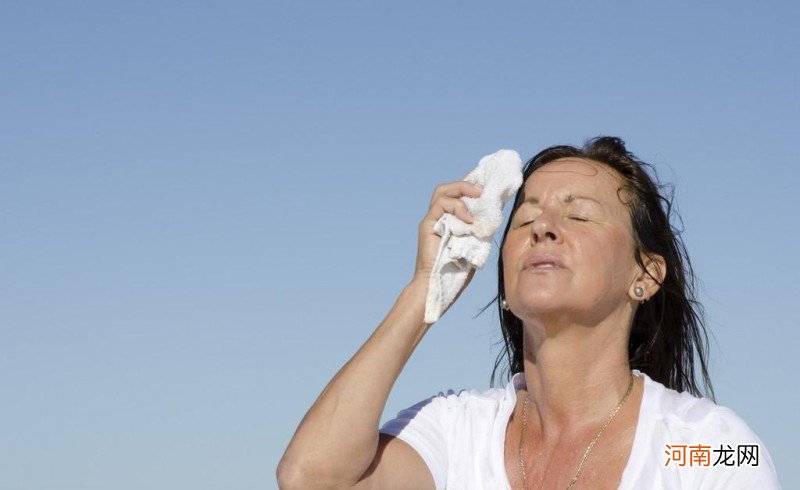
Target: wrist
<point>419,284</point>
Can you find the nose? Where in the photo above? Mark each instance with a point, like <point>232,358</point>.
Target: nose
<point>544,228</point>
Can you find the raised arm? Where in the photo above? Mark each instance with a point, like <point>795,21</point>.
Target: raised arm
<point>337,444</point>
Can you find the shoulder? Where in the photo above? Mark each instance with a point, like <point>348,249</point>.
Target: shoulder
<point>452,413</point>
<point>685,412</point>
<point>466,397</point>
<point>723,422</point>
<point>455,404</point>
<point>707,443</point>
<point>451,403</point>
<point>678,405</point>
<point>448,429</point>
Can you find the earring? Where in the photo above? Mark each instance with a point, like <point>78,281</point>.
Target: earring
<point>504,305</point>
<point>638,291</point>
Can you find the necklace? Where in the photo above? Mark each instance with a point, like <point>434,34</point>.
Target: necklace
<point>585,454</point>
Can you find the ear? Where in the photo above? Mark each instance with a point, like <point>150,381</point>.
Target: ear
<point>650,280</point>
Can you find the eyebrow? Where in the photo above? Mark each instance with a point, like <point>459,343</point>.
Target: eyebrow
<point>570,198</point>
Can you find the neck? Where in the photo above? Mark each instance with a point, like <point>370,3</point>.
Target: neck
<point>576,375</point>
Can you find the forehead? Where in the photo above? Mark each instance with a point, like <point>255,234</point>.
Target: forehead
<point>574,174</point>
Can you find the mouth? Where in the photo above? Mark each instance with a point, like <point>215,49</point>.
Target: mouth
<point>543,263</point>
<point>544,267</point>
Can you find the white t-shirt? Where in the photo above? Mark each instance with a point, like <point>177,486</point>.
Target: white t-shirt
<point>461,437</point>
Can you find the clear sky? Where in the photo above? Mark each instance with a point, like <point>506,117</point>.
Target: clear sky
<point>207,207</point>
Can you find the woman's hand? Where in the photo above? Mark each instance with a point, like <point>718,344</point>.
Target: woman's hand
<point>446,199</point>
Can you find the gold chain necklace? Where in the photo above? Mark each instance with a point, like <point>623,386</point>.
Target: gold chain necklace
<point>585,454</point>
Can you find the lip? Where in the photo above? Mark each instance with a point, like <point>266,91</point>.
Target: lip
<point>533,260</point>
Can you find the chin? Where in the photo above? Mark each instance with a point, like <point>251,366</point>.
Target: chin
<point>542,294</point>
<point>544,303</point>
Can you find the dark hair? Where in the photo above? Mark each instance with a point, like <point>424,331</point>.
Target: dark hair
<point>668,329</point>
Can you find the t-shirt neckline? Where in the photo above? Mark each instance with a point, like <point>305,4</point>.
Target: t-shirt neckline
<point>518,381</point>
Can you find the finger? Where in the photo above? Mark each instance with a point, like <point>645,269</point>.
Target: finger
<point>455,207</point>
<point>453,190</point>
<point>442,204</point>
<point>459,188</point>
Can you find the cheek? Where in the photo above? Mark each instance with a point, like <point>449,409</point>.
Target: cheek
<point>511,254</point>
<point>513,250</point>
<point>620,256</point>
<point>608,254</point>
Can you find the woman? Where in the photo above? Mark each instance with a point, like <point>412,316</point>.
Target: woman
<point>601,329</point>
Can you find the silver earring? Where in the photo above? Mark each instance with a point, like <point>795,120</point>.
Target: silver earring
<point>638,291</point>
<point>504,305</point>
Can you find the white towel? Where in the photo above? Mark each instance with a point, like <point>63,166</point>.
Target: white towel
<point>467,245</point>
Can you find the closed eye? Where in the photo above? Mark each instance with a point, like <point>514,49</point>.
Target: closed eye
<point>576,218</point>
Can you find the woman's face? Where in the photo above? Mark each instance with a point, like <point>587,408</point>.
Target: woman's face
<point>572,210</point>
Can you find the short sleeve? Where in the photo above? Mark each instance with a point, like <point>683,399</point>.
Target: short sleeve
<point>740,460</point>
<point>423,427</point>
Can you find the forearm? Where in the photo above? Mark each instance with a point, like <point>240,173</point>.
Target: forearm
<point>337,438</point>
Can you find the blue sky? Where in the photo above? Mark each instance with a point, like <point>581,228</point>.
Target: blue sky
<point>208,207</point>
